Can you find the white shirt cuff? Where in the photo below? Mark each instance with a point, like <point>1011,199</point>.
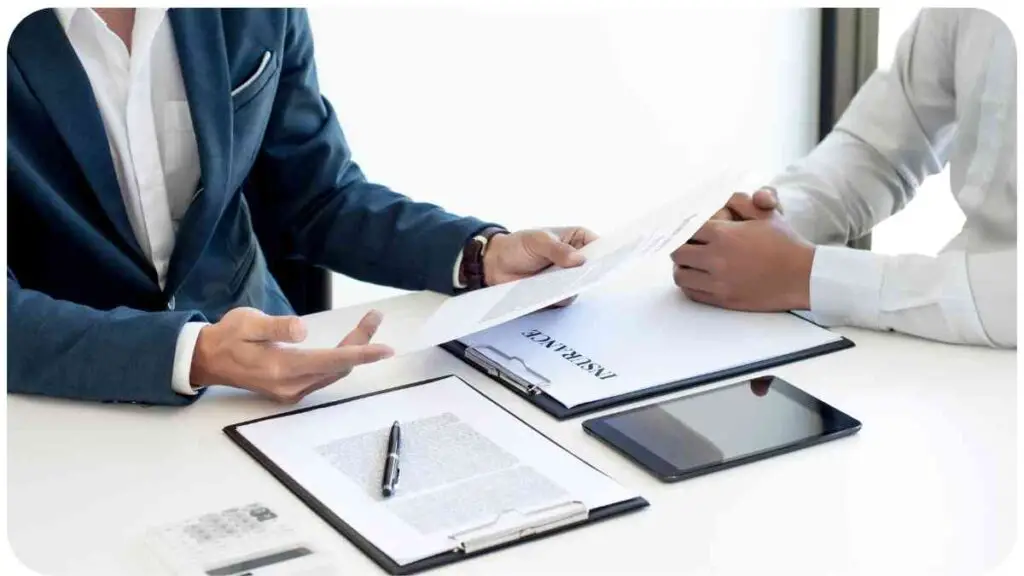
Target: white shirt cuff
<point>455,272</point>
<point>180,377</point>
<point>846,286</point>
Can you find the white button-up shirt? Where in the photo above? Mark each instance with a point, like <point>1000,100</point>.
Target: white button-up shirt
<point>142,102</point>
<point>949,97</point>
<point>141,99</point>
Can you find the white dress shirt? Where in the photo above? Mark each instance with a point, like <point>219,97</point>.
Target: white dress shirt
<point>949,97</point>
<point>145,112</point>
<point>141,99</point>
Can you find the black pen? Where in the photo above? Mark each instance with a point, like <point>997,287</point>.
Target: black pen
<point>391,463</point>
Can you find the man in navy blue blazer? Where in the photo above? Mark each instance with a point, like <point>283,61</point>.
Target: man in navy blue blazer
<point>154,156</point>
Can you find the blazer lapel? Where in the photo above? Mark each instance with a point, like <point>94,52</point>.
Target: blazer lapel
<point>50,66</point>
<point>199,37</point>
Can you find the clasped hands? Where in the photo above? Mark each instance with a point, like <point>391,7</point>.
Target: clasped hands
<point>242,350</point>
<point>746,257</point>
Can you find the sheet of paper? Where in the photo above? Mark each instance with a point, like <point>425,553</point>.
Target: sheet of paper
<point>465,462</point>
<point>613,341</point>
<point>660,231</point>
<point>415,322</point>
<point>403,316</point>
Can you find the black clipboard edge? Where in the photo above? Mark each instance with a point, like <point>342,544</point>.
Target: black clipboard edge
<point>560,412</point>
<point>367,547</point>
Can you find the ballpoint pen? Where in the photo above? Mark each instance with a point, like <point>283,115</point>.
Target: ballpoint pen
<point>391,461</point>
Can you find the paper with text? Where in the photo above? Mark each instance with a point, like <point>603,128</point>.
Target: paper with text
<point>659,232</point>
<point>465,462</point>
<point>417,321</point>
<point>611,342</point>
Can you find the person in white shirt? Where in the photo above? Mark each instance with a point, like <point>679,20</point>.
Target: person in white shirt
<point>949,98</point>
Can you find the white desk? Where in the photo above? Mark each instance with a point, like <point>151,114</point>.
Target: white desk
<point>928,485</point>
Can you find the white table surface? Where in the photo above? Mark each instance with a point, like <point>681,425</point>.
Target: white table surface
<point>927,487</point>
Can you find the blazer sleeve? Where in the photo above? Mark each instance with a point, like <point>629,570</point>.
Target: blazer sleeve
<point>327,212</point>
<point>59,348</point>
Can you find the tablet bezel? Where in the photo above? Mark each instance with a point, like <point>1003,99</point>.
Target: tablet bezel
<point>665,471</point>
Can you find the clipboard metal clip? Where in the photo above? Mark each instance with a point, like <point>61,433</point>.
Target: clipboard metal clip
<point>510,369</point>
<point>513,525</point>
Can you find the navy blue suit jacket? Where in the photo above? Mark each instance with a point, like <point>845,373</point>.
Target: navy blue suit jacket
<point>86,316</point>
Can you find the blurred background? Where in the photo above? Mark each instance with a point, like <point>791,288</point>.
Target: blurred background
<point>540,115</point>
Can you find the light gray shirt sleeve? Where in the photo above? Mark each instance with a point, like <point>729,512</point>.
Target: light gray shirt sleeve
<point>899,129</point>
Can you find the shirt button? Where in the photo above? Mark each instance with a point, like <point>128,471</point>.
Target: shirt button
<point>170,303</point>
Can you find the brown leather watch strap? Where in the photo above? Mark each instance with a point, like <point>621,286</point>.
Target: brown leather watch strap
<point>471,273</point>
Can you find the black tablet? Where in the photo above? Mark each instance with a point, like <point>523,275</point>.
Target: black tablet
<point>721,428</point>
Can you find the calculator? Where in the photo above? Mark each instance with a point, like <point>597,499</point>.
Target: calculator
<point>248,540</point>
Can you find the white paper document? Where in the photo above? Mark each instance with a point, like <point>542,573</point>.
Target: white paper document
<point>421,321</point>
<point>466,465</point>
<point>660,231</point>
<point>611,342</point>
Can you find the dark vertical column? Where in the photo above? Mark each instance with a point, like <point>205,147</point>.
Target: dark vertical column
<point>849,54</point>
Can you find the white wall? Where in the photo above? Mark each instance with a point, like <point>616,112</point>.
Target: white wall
<point>550,114</point>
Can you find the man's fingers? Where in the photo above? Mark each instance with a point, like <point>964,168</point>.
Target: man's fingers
<point>692,256</point>
<point>364,331</point>
<point>729,211</point>
<point>344,358</point>
<point>282,364</point>
<point>702,297</point>
<point>560,253</point>
<point>259,327</point>
<point>723,214</point>
<point>691,279</point>
<point>766,199</point>
<point>754,206</point>
<point>743,207</point>
<point>739,206</point>
<point>578,237</point>
<point>294,390</point>
<point>308,387</point>
<point>707,232</point>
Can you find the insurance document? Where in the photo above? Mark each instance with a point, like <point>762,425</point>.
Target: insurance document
<point>465,464</point>
<point>417,321</point>
<point>614,340</point>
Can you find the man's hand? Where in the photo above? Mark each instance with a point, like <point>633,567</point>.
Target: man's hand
<point>761,205</point>
<point>522,254</point>
<point>241,351</point>
<point>760,265</point>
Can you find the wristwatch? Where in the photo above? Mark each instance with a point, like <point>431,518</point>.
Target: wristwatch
<point>471,271</point>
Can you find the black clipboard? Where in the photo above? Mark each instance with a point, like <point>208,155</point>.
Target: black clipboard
<point>545,402</point>
<point>367,547</point>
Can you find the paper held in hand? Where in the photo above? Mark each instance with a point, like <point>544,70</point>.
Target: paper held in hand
<point>421,320</point>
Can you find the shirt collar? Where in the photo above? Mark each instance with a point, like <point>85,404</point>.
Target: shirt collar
<point>65,15</point>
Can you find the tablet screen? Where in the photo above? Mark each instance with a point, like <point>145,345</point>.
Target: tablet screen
<point>721,425</point>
